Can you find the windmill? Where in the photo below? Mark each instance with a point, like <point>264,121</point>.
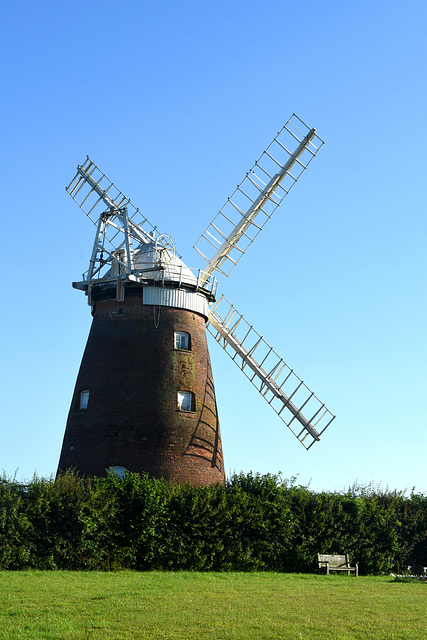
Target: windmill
<point>144,398</point>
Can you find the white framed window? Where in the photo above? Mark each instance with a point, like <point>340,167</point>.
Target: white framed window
<point>84,399</point>
<point>186,401</point>
<point>182,340</point>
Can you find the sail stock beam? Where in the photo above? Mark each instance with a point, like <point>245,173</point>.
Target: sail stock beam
<point>117,226</point>
<point>92,191</point>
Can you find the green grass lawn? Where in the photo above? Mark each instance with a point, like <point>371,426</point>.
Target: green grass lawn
<point>125,605</point>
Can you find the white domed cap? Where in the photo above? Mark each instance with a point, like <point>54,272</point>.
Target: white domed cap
<point>149,257</point>
<point>154,262</point>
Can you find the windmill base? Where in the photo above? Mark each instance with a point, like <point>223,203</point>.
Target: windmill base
<point>126,411</point>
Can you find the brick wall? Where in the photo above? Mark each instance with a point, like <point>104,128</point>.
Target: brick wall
<point>133,374</point>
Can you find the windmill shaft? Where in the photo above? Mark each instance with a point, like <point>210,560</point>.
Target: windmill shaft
<point>254,209</point>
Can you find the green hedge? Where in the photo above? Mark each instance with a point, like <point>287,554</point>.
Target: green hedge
<point>253,523</point>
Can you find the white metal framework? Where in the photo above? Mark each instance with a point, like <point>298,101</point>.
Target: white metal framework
<point>257,197</point>
<point>117,226</point>
<point>279,385</point>
<point>91,189</point>
<point>121,230</point>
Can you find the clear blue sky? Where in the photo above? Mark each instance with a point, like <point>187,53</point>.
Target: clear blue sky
<point>175,101</point>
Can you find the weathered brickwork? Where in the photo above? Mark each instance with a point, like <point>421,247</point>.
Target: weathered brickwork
<point>133,374</point>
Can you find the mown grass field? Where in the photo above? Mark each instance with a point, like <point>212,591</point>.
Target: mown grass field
<point>126,605</point>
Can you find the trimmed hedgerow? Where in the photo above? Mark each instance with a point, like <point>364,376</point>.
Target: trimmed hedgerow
<point>253,523</point>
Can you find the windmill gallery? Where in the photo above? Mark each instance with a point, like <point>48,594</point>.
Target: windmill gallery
<point>144,399</point>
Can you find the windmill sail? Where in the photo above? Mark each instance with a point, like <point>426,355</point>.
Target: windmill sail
<point>119,223</point>
<point>302,412</point>
<point>93,191</point>
<point>257,197</point>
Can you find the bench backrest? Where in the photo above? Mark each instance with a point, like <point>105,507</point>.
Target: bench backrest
<point>334,560</point>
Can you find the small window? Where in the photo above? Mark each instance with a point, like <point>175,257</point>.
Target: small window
<point>186,401</point>
<point>84,399</point>
<point>182,340</point>
<point>118,471</point>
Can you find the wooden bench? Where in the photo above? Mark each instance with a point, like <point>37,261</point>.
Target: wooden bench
<point>336,562</point>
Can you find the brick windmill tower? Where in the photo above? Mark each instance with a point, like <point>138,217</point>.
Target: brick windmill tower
<point>144,399</point>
